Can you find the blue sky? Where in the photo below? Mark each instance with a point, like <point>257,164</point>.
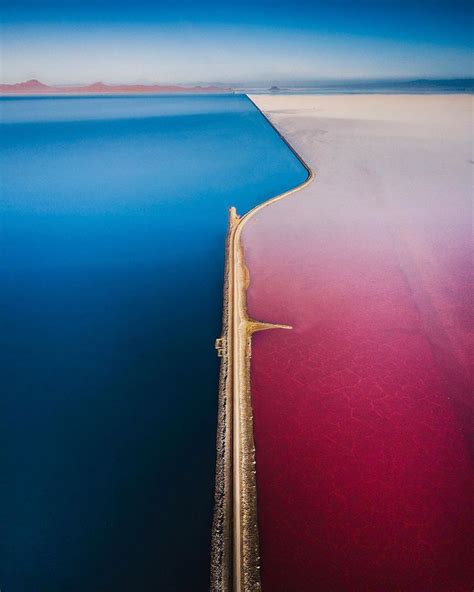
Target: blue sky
<point>246,42</point>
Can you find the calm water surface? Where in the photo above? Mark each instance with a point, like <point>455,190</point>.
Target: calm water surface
<point>113,219</point>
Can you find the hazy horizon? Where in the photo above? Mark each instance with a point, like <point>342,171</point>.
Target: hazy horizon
<point>251,83</point>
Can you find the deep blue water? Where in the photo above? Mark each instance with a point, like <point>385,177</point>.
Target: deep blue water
<point>113,219</point>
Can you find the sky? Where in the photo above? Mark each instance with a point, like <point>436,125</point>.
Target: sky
<point>265,41</point>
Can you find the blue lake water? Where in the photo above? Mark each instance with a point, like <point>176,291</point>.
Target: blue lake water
<point>113,219</point>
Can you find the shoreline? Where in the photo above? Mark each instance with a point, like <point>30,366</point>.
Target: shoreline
<point>235,547</point>
<point>118,94</point>
<point>239,91</point>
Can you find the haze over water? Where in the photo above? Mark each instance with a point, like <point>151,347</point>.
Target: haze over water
<point>114,213</point>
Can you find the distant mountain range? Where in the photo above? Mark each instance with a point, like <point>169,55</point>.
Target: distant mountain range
<point>420,86</point>
<point>35,87</point>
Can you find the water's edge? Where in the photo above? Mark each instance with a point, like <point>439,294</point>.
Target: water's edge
<point>235,560</point>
